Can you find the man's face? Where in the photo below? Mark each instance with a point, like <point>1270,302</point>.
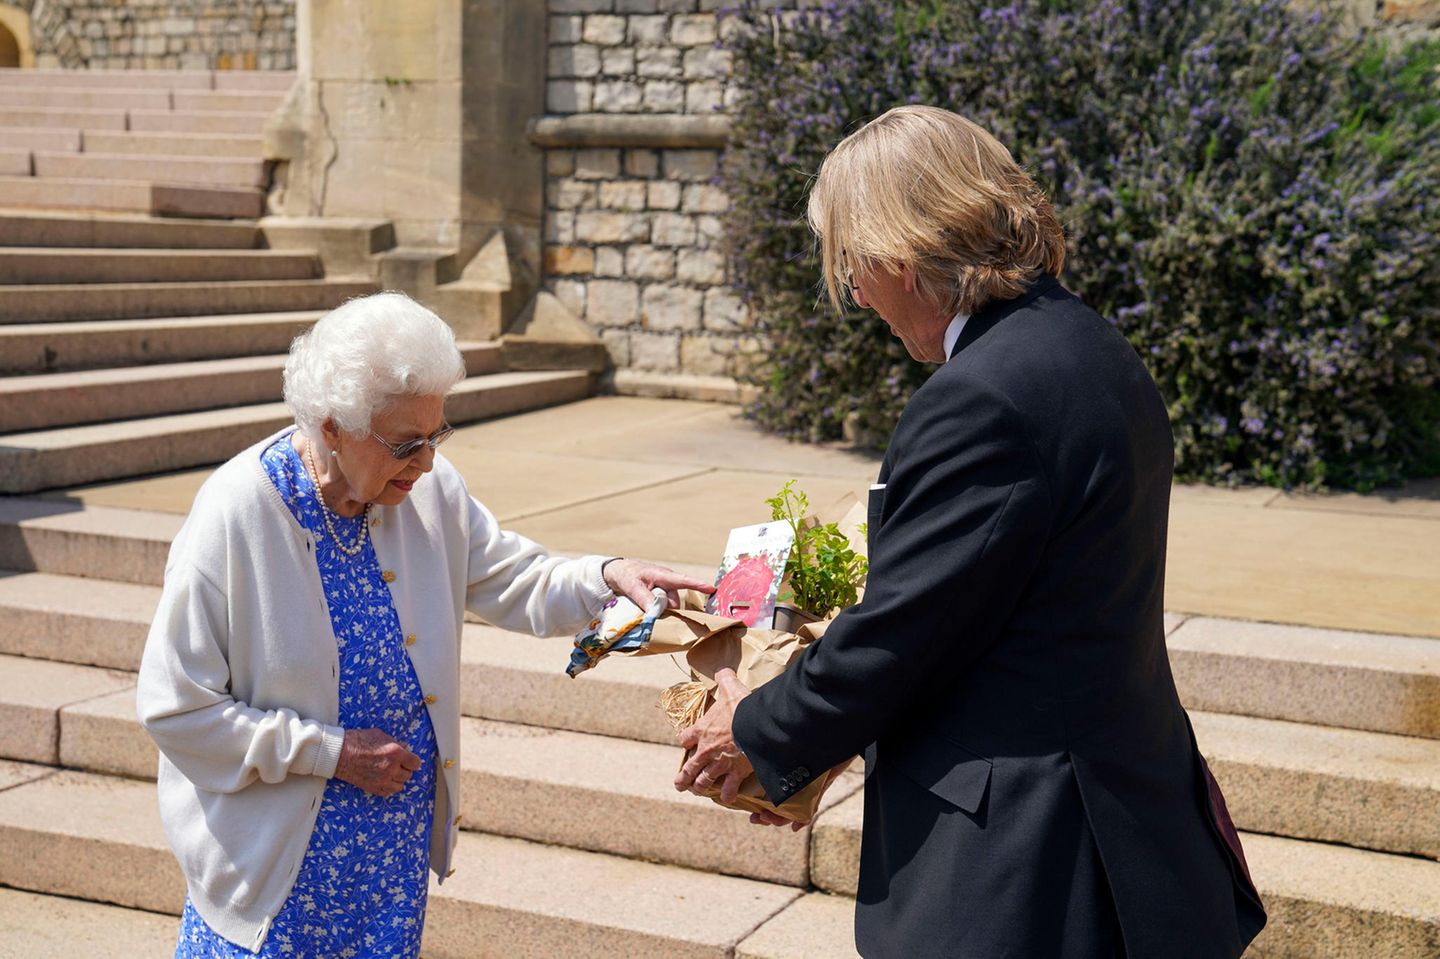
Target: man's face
<point>910,316</point>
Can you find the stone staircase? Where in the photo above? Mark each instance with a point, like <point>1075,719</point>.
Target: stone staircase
<point>180,143</point>
<point>131,344</point>
<point>1327,744</point>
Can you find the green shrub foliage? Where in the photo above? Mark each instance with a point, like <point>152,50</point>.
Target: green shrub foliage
<point>1247,191</point>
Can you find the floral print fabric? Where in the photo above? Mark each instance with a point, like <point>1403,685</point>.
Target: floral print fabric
<point>361,888</point>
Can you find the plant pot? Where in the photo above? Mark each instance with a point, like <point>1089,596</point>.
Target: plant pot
<point>789,617</point>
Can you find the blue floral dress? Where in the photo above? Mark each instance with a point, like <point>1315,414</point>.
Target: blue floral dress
<point>361,889</point>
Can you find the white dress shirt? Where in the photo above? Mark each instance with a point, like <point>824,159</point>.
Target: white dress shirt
<point>952,332</point>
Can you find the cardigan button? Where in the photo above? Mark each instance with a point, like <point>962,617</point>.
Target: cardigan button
<point>449,874</point>
<point>457,820</point>
<point>410,640</point>
<point>388,576</point>
<point>449,763</point>
<point>429,700</point>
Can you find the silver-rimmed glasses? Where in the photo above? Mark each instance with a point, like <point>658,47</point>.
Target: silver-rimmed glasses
<point>403,451</point>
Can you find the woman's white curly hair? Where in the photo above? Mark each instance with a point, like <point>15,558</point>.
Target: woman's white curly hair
<point>362,356</point>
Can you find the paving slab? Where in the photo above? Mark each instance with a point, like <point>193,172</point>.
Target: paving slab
<point>1388,684</point>
<point>687,520</point>
<point>1344,571</point>
<point>510,898</point>
<point>14,773</point>
<point>613,795</point>
<point>32,693</point>
<point>817,926</point>
<point>91,837</point>
<point>517,484</point>
<point>102,735</point>
<point>1418,498</point>
<point>33,925</point>
<point>1362,789</point>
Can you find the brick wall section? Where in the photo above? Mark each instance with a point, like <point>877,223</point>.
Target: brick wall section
<point>632,235</point>
<point>165,34</point>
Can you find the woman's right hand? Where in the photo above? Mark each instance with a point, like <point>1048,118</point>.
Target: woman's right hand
<point>375,762</point>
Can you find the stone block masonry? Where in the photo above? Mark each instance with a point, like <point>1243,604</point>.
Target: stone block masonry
<point>632,229</point>
<point>164,34</point>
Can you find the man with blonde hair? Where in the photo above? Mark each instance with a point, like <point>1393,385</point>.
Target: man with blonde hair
<point>1033,788</point>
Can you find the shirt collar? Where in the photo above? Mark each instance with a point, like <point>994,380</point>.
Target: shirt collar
<point>952,332</point>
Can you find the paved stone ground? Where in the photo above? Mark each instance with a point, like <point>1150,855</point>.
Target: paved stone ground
<point>667,479</point>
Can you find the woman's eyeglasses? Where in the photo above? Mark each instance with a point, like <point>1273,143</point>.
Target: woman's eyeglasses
<point>403,451</point>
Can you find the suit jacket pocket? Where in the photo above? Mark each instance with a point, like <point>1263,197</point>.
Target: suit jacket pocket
<point>949,770</point>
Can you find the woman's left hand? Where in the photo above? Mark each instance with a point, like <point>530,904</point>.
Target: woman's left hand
<point>634,580</point>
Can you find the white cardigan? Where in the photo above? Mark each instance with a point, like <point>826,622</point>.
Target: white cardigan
<point>239,684</point>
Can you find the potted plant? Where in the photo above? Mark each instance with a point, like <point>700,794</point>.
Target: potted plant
<point>823,573</point>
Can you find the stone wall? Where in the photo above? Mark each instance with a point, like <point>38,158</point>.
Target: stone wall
<point>632,232</point>
<point>632,236</point>
<point>163,34</point>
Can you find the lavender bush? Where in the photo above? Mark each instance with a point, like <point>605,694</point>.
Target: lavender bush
<point>1246,190</point>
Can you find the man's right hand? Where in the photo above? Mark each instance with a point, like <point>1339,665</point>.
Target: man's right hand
<point>375,762</point>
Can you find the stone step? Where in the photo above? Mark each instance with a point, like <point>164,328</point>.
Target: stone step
<point>166,144</point>
<point>16,162</point>
<point>515,678</point>
<point>274,80</point>
<point>43,138</point>
<point>131,196</point>
<point>67,538</point>
<point>123,231</point>
<point>818,925</point>
<point>32,694</point>
<point>52,117</point>
<point>189,121</point>
<point>36,925</point>
<point>11,77</point>
<point>1323,900</point>
<point>93,344</point>
<point>126,301</point>
<point>71,265</point>
<point>1362,789</point>
<point>226,101</point>
<point>207,171</point>
<point>114,97</point>
<point>95,396</point>
<point>1388,684</point>
<point>99,838</point>
<point>528,782</point>
<point>50,459</point>
<point>67,619</point>
<point>1370,790</point>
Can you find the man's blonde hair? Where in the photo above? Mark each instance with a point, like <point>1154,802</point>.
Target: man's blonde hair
<point>926,187</point>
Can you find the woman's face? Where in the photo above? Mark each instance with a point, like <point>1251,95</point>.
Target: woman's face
<point>366,465</point>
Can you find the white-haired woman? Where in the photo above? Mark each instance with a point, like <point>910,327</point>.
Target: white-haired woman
<point>301,675</point>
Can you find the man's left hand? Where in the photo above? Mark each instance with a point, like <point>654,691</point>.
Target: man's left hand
<point>633,579</point>
<point>716,758</point>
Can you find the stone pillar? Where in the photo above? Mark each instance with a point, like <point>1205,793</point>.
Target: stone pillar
<point>415,113</point>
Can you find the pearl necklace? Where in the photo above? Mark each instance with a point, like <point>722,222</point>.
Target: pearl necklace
<point>329,517</point>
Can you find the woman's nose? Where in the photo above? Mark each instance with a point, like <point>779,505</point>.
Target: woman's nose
<point>859,296</point>
<point>425,458</point>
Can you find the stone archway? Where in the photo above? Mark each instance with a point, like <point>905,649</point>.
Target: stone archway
<point>17,47</point>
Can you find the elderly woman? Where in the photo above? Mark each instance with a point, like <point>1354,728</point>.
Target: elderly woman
<point>301,675</point>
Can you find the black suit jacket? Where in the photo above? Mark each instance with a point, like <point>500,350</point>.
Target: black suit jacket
<point>1032,783</point>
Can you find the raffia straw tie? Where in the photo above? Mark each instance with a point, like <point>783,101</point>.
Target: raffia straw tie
<point>684,703</point>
